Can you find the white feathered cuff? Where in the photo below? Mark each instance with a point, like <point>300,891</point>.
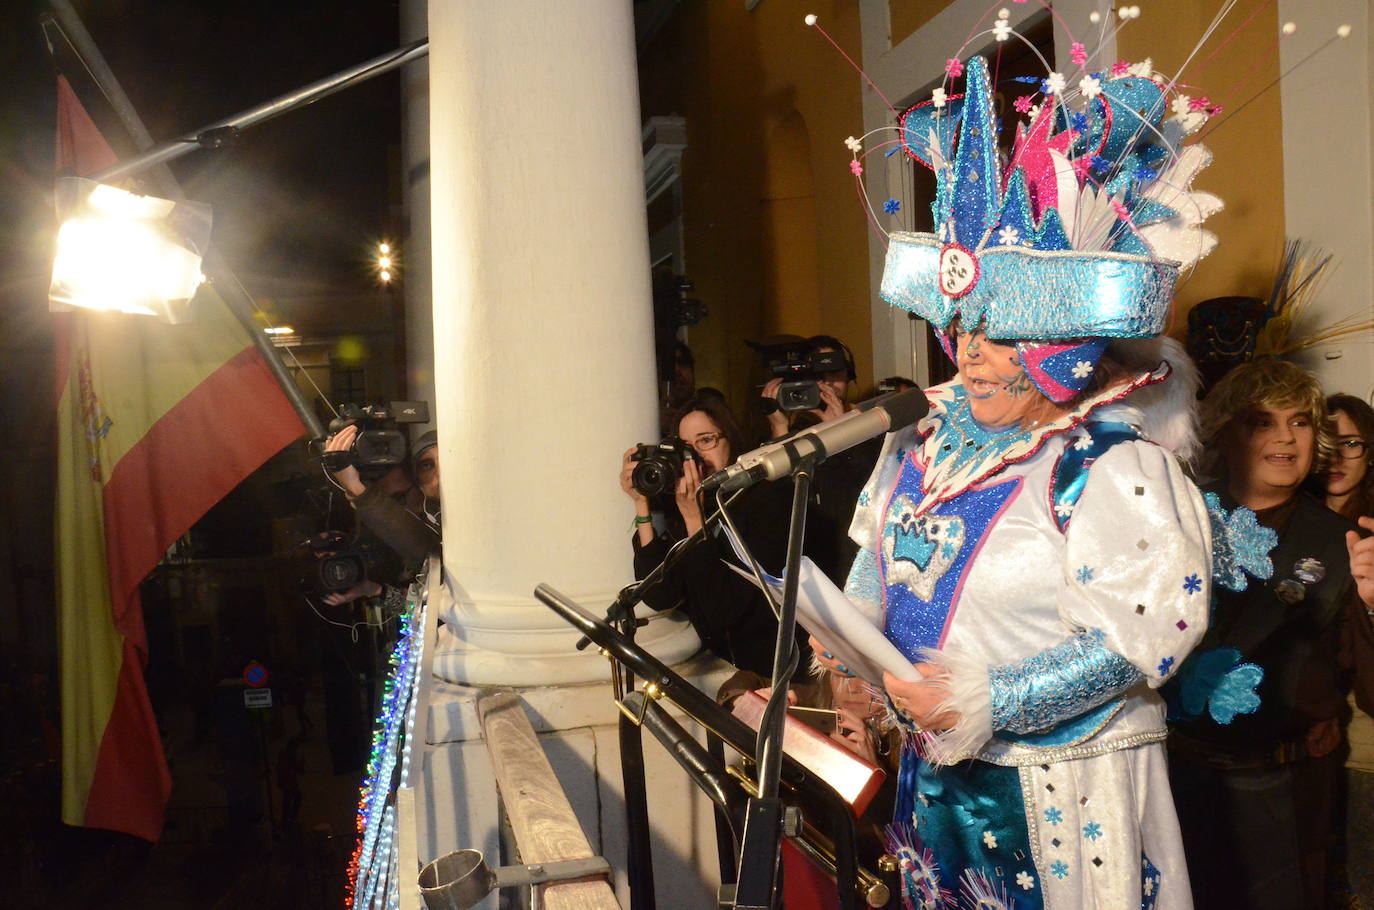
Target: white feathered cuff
<point>970,698</point>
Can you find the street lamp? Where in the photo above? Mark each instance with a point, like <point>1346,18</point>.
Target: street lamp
<point>385,263</point>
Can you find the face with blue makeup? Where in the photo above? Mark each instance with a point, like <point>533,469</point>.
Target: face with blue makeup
<point>1000,392</point>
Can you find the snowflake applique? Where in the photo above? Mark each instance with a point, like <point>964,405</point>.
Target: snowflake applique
<point>892,206</point>
<point>1022,104</point>
<point>1180,105</point>
<point>1240,545</point>
<point>1084,575</point>
<point>1063,508</point>
<point>1144,69</point>
<point>1053,815</point>
<point>1084,440</point>
<point>1059,869</point>
<point>990,840</point>
<point>1083,369</point>
<point>863,498</point>
<point>1053,84</point>
<point>854,145</point>
<point>938,97</point>
<point>1092,831</point>
<point>1120,68</point>
<point>1165,666</point>
<point>1001,29</point>
<point>1149,886</point>
<point>1090,86</point>
<point>1025,880</point>
<point>1078,53</point>
<point>1009,236</point>
<point>948,550</point>
<point>856,167</point>
<point>954,67</point>
<point>1192,584</point>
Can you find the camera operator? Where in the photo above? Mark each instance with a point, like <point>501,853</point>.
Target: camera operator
<point>828,362</point>
<point>412,534</point>
<point>731,616</point>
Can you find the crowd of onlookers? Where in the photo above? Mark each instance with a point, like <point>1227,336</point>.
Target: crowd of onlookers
<point>1272,442</point>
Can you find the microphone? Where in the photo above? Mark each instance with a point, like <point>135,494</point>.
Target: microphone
<point>779,459</point>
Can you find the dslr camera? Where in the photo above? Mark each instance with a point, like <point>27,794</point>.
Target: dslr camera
<point>659,465</point>
<point>799,365</point>
<point>379,444</point>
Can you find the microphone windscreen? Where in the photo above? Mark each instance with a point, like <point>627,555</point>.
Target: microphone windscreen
<point>905,408</point>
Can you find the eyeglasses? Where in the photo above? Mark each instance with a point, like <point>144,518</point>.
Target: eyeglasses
<point>1349,449</point>
<point>706,441</point>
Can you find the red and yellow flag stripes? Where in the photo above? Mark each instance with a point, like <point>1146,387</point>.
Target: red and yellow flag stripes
<point>156,423</point>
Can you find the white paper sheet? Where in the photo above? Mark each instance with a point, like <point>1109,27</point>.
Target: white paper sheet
<point>856,639</point>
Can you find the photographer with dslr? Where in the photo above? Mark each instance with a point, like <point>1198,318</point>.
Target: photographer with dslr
<point>810,386</point>
<point>413,533</point>
<point>731,616</point>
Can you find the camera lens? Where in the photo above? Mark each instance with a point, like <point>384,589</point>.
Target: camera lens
<point>652,477</point>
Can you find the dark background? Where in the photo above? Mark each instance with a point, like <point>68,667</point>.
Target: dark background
<point>299,201</point>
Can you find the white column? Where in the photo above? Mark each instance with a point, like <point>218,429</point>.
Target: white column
<point>542,325</point>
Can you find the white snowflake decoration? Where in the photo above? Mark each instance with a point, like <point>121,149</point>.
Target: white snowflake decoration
<point>1083,369</point>
<point>854,145</point>
<point>1009,236</point>
<point>1054,83</point>
<point>990,840</point>
<point>1027,881</point>
<point>938,97</point>
<point>1090,86</point>
<point>1001,30</point>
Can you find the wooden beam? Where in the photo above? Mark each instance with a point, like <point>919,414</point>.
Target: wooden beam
<point>546,830</point>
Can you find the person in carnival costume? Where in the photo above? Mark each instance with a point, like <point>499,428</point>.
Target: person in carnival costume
<point>1033,546</point>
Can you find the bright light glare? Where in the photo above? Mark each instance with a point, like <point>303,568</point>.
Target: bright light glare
<point>124,252</point>
<point>279,330</point>
<point>106,263</point>
<point>385,276</point>
<point>384,262</point>
<point>384,248</point>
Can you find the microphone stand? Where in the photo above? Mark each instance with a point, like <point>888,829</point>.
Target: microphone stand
<point>758,885</point>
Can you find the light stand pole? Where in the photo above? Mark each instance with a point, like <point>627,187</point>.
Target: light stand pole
<point>155,157</point>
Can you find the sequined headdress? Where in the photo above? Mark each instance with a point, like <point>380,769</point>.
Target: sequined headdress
<point>1078,236</point>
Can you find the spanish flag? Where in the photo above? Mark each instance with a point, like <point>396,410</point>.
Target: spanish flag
<point>155,424</point>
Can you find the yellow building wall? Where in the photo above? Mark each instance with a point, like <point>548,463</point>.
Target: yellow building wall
<point>774,236</point>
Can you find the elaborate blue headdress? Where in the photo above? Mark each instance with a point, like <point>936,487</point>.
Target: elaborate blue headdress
<point>1077,238</point>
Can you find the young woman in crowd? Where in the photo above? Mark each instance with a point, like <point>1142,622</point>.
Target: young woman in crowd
<point>1349,484</point>
<point>1256,794</point>
<point>731,616</point>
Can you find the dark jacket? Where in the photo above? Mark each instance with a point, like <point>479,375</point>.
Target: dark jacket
<point>1313,652</point>
<point>411,536</point>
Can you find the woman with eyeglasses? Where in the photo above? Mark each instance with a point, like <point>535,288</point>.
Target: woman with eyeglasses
<point>1349,488</point>
<point>731,616</point>
<point>1348,482</point>
<point>1257,793</point>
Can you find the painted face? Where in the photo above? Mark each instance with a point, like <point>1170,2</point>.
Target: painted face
<point>1000,392</point>
<point>1351,461</point>
<point>700,432</point>
<point>1271,452</point>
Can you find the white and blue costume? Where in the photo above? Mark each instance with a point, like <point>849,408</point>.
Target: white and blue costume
<point>1059,574</point>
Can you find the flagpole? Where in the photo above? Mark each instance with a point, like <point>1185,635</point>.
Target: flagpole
<point>155,158</point>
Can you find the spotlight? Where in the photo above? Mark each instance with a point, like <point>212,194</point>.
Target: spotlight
<point>127,253</point>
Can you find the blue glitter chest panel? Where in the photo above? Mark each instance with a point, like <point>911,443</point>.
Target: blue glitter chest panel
<point>924,558</point>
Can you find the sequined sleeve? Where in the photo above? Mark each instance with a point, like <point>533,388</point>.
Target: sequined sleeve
<point>1137,562</point>
<point>1059,683</point>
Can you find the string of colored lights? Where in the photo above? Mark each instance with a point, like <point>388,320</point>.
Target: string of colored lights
<point>372,878</point>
